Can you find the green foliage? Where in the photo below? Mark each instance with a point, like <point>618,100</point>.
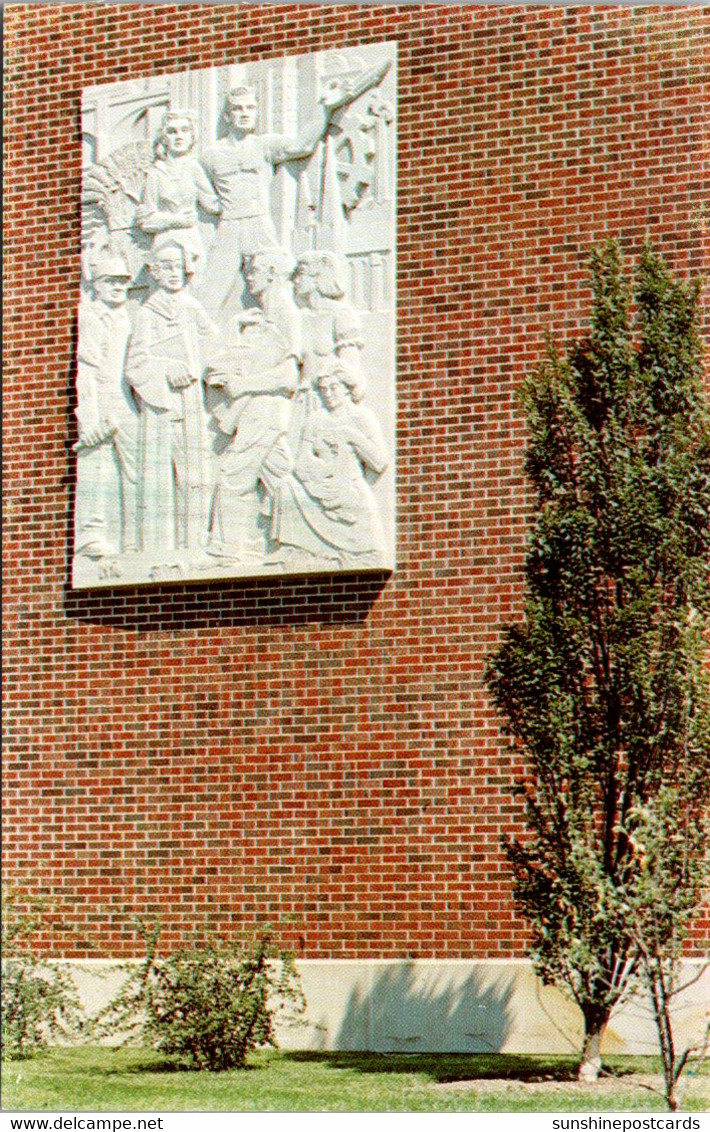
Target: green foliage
<point>672,850</point>
<point>209,1005</point>
<point>604,685</point>
<point>39,999</point>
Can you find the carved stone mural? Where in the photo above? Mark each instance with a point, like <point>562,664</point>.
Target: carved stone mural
<point>236,329</point>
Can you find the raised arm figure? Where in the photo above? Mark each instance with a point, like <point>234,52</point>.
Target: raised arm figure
<point>241,167</point>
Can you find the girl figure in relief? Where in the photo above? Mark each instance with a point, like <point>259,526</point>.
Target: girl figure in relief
<point>175,185</point>
<point>331,329</point>
<point>326,507</point>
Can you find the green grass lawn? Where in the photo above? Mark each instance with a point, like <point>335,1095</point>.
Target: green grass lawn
<point>93,1079</point>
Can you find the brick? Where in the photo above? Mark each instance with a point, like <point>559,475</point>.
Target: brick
<point>321,754</point>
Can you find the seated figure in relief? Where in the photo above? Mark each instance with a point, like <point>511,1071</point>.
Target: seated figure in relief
<point>175,185</point>
<point>106,414</point>
<point>331,328</point>
<point>172,340</point>
<point>326,508</point>
<point>252,386</point>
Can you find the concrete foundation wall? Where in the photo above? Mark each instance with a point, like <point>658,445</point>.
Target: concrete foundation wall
<point>427,1006</point>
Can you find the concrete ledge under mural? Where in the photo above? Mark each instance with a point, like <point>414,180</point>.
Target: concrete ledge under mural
<point>236,331</point>
<point>445,1006</point>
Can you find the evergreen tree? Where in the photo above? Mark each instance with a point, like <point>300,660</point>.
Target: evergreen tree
<point>604,684</point>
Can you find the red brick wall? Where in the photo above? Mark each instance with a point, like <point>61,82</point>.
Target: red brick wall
<point>321,754</point>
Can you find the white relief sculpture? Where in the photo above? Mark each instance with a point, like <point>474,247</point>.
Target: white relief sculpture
<point>245,336</point>
<point>95,243</point>
<point>257,378</point>
<point>326,508</point>
<point>331,325</point>
<point>358,140</point>
<point>105,519</point>
<point>331,328</point>
<point>174,186</point>
<point>167,357</point>
<point>241,168</point>
<point>111,193</point>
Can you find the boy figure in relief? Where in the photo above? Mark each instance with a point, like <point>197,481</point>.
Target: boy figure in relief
<point>326,507</point>
<point>165,366</point>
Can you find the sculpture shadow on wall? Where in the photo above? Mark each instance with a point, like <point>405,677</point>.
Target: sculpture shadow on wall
<point>330,600</point>
<point>412,1010</point>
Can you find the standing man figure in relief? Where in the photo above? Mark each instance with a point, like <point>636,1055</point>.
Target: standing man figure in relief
<point>107,416</point>
<point>241,168</point>
<point>254,383</point>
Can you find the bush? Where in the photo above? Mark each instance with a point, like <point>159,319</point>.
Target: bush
<point>209,1005</point>
<point>39,1000</point>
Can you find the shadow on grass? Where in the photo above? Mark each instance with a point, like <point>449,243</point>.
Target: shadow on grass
<point>135,1062</point>
<point>447,1067</point>
<point>439,1068</point>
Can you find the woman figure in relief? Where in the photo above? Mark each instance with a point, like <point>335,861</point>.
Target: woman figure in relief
<point>175,185</point>
<point>326,507</point>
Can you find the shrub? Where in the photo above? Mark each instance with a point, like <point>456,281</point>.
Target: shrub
<point>39,1000</point>
<point>208,1005</point>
